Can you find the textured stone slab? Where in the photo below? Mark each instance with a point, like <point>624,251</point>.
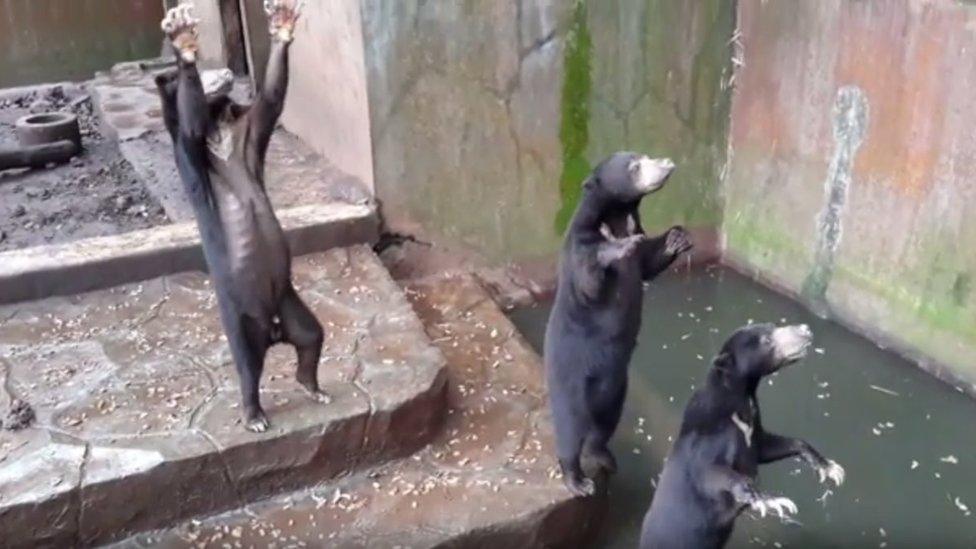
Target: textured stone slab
<point>103,262</point>
<point>137,401</point>
<point>488,480</point>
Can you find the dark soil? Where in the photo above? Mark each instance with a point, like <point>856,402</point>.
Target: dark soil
<point>96,194</point>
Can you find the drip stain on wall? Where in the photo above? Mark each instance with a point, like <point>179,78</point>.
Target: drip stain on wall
<point>850,121</point>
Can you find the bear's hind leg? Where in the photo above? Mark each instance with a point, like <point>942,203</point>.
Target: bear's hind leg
<point>595,449</point>
<point>605,397</point>
<point>572,423</point>
<point>304,331</point>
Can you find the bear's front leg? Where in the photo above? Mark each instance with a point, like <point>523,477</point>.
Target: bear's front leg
<point>774,448</point>
<point>744,492</point>
<point>657,254</point>
<point>282,16</point>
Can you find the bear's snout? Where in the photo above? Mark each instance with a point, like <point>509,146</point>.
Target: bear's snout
<point>791,343</point>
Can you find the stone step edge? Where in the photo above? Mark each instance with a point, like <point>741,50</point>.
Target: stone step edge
<point>541,522</point>
<point>106,510</point>
<point>103,262</point>
<point>548,517</point>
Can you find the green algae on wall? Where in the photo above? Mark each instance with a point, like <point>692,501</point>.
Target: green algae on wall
<point>659,74</point>
<point>486,117</point>
<point>876,234</point>
<point>574,126</point>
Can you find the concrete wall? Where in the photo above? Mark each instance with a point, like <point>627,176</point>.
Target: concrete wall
<point>52,40</point>
<point>327,100</point>
<point>854,175</point>
<point>486,115</point>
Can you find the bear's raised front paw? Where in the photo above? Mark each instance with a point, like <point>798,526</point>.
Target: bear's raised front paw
<point>181,28</point>
<point>831,470</point>
<point>282,16</point>
<point>677,241</point>
<point>780,506</point>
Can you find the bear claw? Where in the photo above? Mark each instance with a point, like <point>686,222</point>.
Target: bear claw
<point>781,506</point>
<point>282,15</point>
<point>257,424</point>
<point>677,241</point>
<point>833,471</point>
<point>181,27</point>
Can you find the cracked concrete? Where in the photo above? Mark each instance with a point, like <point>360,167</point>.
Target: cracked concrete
<point>467,98</point>
<point>137,402</point>
<point>487,480</point>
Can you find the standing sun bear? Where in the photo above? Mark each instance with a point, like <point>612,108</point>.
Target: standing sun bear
<point>220,148</point>
<point>596,317</point>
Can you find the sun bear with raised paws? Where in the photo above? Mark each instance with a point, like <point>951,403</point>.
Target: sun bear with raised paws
<point>593,327</point>
<point>710,476</point>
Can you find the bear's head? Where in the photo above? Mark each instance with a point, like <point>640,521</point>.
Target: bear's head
<point>758,350</point>
<point>626,176</point>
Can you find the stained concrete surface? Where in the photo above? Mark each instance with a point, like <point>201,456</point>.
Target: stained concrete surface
<point>473,111</point>
<point>487,480</point>
<point>895,255</point>
<point>904,437</point>
<point>295,175</point>
<point>137,401</point>
<point>327,103</point>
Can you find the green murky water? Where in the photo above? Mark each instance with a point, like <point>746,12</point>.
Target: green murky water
<point>910,456</point>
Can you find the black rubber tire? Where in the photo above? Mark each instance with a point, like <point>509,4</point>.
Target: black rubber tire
<point>40,129</point>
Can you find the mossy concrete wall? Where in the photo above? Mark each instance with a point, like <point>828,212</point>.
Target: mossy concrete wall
<point>487,115</point>
<point>852,180</point>
<point>53,40</point>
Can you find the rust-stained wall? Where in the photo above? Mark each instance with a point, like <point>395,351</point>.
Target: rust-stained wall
<point>853,181</point>
<point>50,40</point>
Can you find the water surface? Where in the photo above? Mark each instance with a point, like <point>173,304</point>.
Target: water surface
<point>907,440</point>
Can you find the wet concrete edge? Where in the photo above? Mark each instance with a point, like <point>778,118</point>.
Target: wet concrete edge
<point>103,262</point>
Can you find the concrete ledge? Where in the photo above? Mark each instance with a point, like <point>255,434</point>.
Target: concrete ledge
<point>489,479</point>
<point>98,263</point>
<point>850,318</point>
<point>137,402</point>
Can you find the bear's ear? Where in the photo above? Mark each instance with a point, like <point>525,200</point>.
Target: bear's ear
<point>725,362</point>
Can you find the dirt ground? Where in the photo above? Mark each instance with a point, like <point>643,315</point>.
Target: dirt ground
<point>96,194</point>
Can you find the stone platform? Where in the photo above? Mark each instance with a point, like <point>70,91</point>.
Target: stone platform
<point>137,402</point>
<point>487,480</point>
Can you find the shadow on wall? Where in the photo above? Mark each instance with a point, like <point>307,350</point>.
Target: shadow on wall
<point>53,40</point>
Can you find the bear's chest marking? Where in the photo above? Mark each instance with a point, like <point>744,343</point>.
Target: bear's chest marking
<point>745,427</point>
